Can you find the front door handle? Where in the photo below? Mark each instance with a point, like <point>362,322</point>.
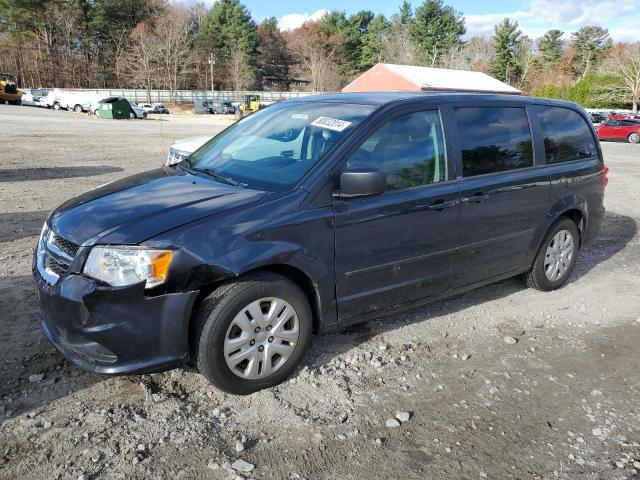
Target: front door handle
<point>476,198</point>
<point>440,205</point>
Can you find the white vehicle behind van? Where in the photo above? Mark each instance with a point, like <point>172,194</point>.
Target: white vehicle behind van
<point>67,99</point>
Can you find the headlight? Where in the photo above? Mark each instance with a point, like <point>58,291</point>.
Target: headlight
<point>176,156</point>
<point>120,266</point>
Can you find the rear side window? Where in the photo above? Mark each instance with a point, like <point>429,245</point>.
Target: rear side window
<point>408,148</point>
<point>493,139</point>
<point>566,135</point>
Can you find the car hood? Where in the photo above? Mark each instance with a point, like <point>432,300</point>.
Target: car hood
<point>136,208</point>
<point>191,144</point>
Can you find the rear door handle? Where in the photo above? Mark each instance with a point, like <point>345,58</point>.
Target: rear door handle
<point>440,205</point>
<point>477,198</point>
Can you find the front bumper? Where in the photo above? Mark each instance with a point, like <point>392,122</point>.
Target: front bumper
<point>115,330</point>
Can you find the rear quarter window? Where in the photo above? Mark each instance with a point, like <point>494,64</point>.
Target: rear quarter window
<point>566,134</point>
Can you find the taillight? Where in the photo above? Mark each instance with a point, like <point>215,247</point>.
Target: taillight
<point>605,177</point>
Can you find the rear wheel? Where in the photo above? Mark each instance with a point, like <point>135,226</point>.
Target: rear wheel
<point>251,333</point>
<point>634,137</point>
<point>556,258</point>
<point>77,108</point>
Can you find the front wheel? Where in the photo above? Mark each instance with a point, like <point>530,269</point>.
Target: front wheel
<point>56,106</point>
<point>634,137</point>
<point>251,333</point>
<point>77,109</point>
<point>556,258</point>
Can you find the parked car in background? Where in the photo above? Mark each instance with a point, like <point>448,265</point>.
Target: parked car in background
<point>29,98</point>
<point>181,150</point>
<point>312,215</point>
<point>621,116</point>
<point>622,130</point>
<point>153,108</point>
<point>160,108</point>
<point>218,107</point>
<point>597,118</point>
<point>138,112</point>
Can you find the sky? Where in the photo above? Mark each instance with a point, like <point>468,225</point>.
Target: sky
<point>620,17</point>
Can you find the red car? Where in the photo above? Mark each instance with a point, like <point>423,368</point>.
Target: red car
<point>628,130</point>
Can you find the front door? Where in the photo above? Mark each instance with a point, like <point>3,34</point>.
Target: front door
<point>399,246</point>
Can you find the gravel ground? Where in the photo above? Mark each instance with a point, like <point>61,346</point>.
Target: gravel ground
<point>501,382</point>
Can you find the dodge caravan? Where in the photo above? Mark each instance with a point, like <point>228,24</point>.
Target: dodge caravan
<point>310,215</point>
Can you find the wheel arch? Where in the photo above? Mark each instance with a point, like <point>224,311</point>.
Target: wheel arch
<point>290,272</point>
<point>578,217</point>
<point>573,207</point>
<point>304,282</point>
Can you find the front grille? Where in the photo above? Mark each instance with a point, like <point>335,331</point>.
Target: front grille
<point>66,246</point>
<point>54,256</point>
<point>56,266</point>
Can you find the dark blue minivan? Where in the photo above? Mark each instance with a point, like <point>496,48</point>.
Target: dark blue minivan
<point>311,215</point>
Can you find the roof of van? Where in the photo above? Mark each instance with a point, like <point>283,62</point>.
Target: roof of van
<point>384,98</point>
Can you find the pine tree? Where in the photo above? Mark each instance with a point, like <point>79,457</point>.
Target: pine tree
<point>274,58</point>
<point>373,42</point>
<point>505,40</point>
<point>436,29</point>
<point>551,45</point>
<point>227,27</point>
<point>589,44</point>
<point>404,15</point>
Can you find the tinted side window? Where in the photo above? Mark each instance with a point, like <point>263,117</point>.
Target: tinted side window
<point>409,149</point>
<point>566,135</point>
<point>493,139</point>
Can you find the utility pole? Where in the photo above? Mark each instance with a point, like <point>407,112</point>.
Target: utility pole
<point>212,62</point>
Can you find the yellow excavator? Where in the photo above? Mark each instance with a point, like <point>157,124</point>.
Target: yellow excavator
<point>9,89</point>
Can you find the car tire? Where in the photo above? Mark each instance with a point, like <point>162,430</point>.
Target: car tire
<point>215,332</point>
<point>77,108</point>
<point>554,264</point>
<point>56,106</point>
<point>634,137</point>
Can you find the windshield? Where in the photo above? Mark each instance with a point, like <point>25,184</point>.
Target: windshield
<point>274,148</point>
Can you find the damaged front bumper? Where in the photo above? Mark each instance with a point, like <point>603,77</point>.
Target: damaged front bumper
<point>112,330</point>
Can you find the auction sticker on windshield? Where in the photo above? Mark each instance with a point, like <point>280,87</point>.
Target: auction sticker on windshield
<point>330,123</point>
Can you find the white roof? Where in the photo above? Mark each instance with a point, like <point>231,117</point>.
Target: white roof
<point>427,78</point>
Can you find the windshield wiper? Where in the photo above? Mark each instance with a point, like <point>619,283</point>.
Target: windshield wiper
<point>218,176</point>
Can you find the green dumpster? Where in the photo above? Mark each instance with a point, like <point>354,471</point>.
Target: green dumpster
<point>114,107</point>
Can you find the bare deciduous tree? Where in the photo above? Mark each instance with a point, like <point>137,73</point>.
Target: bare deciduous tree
<point>316,52</point>
<point>401,49</point>
<point>173,28</point>
<point>474,55</point>
<point>240,72</point>
<point>141,57</point>
<point>623,62</point>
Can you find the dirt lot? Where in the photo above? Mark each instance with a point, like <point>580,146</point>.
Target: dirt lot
<point>563,402</point>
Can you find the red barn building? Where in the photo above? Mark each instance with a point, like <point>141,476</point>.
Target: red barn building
<point>387,77</point>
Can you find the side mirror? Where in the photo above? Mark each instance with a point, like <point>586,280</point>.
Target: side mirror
<point>361,182</point>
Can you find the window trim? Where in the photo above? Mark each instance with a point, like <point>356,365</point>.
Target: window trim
<point>456,127</point>
<point>341,165</point>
